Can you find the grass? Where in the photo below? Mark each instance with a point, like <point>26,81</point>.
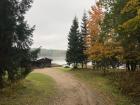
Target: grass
<point>37,89</point>
<point>103,84</point>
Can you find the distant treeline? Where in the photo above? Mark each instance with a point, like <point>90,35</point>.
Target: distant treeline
<point>53,54</point>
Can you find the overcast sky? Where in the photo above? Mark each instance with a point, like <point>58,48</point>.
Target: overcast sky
<point>53,19</point>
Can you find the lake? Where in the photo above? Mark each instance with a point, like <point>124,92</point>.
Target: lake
<point>59,62</point>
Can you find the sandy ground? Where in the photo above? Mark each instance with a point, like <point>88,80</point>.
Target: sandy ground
<point>72,91</point>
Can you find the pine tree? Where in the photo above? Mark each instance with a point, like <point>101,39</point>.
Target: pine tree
<point>72,55</point>
<point>83,35</point>
<point>15,39</point>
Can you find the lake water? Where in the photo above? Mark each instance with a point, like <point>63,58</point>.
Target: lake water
<point>60,62</point>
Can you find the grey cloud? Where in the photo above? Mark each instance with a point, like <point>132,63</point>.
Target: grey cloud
<point>53,19</point>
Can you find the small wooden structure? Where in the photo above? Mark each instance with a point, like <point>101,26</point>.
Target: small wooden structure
<point>42,62</point>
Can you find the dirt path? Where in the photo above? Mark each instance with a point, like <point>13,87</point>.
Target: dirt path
<point>72,91</point>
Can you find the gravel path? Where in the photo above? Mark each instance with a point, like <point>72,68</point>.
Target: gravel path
<point>72,91</point>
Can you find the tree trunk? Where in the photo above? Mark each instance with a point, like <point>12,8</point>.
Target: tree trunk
<point>75,66</point>
<point>86,65</point>
<point>93,66</point>
<point>10,75</point>
<point>128,66</point>
<point>1,78</point>
<point>131,66</point>
<point>82,65</point>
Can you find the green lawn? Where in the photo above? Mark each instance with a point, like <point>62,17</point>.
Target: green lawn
<point>37,89</point>
<point>100,83</point>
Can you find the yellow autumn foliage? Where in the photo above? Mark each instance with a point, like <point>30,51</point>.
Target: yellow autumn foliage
<point>132,6</point>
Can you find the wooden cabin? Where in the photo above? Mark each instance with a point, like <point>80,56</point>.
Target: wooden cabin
<point>42,62</point>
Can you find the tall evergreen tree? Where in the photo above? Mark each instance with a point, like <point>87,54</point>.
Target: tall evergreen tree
<point>83,35</point>
<point>15,39</point>
<point>72,55</point>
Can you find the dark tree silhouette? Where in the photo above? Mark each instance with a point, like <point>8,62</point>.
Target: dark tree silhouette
<point>15,39</point>
<point>72,55</point>
<point>83,35</point>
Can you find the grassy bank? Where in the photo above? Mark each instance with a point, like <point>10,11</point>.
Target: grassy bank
<point>35,90</point>
<point>104,84</point>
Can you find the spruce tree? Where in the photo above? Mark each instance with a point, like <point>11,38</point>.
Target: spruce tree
<point>83,34</point>
<point>72,55</point>
<point>15,39</point>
